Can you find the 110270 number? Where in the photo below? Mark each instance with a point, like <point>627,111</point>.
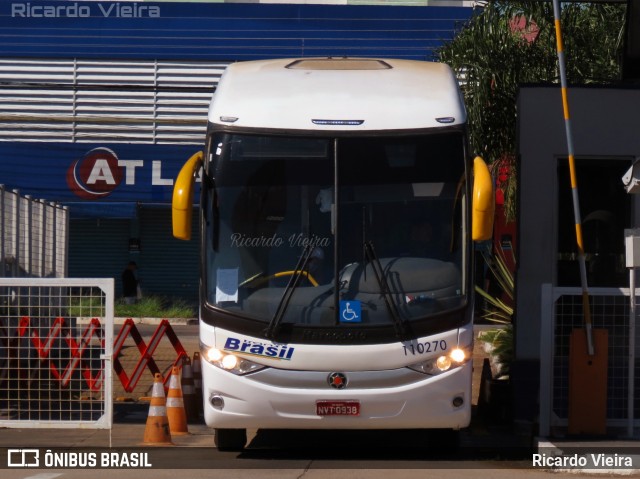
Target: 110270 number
<point>424,347</point>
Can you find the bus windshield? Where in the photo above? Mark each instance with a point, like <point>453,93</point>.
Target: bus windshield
<point>340,232</point>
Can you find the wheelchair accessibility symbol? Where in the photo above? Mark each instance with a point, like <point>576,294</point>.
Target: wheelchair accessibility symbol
<point>350,311</point>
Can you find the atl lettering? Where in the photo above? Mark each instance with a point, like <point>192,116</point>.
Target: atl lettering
<point>100,172</point>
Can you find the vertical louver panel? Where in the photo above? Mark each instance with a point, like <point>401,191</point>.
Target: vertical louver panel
<point>168,267</point>
<point>98,248</point>
<point>33,237</point>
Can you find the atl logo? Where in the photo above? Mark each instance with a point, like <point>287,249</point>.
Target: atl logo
<point>95,175</point>
<point>100,172</point>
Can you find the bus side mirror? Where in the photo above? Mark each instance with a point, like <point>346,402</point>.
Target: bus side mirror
<point>182,202</point>
<point>482,202</point>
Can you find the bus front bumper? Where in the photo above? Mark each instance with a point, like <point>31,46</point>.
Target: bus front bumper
<point>280,399</point>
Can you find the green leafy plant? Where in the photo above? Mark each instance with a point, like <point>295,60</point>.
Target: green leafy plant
<point>146,307</point>
<point>499,345</point>
<point>498,342</point>
<point>500,311</point>
<point>512,42</point>
<point>155,307</point>
<point>86,307</point>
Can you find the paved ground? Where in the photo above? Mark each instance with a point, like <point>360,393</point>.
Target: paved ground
<point>131,410</point>
<point>132,407</point>
<point>165,355</point>
<point>130,422</point>
<point>486,434</point>
<point>487,429</point>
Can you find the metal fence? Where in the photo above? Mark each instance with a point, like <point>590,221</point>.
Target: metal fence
<point>33,237</point>
<point>562,312</point>
<point>56,351</point>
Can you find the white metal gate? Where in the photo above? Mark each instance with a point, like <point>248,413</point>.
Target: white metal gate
<point>56,343</point>
<point>562,311</point>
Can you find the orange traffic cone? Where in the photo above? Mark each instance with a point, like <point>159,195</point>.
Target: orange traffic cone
<point>157,428</point>
<point>175,405</point>
<point>197,381</point>
<point>188,390</point>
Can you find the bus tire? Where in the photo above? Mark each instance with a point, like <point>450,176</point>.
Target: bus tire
<point>230,439</point>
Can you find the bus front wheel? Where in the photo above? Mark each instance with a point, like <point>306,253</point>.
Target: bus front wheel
<point>230,439</point>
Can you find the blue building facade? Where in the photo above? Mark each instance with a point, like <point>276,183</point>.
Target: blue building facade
<point>102,102</point>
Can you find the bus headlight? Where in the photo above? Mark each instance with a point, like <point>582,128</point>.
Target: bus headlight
<point>229,362</point>
<point>440,364</point>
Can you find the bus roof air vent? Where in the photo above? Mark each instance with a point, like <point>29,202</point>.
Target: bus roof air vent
<point>344,63</point>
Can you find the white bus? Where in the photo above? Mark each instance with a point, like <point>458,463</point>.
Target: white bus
<point>338,207</point>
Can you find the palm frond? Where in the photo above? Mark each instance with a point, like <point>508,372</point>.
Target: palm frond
<point>512,42</point>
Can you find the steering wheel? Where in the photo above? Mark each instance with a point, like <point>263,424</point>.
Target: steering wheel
<point>264,279</point>
<point>306,274</point>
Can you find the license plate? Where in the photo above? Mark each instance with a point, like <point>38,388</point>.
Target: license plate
<point>338,408</point>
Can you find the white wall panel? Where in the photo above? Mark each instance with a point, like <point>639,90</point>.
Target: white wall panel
<point>115,101</point>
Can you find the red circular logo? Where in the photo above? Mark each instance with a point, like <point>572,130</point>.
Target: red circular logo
<point>96,175</point>
<point>337,380</point>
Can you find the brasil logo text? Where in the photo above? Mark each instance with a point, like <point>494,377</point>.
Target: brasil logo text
<point>255,348</point>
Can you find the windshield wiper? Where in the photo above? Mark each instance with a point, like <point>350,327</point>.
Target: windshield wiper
<point>401,327</point>
<point>270,331</point>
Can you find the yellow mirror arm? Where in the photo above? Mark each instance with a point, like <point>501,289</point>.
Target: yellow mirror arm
<point>182,202</point>
<point>483,202</point>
